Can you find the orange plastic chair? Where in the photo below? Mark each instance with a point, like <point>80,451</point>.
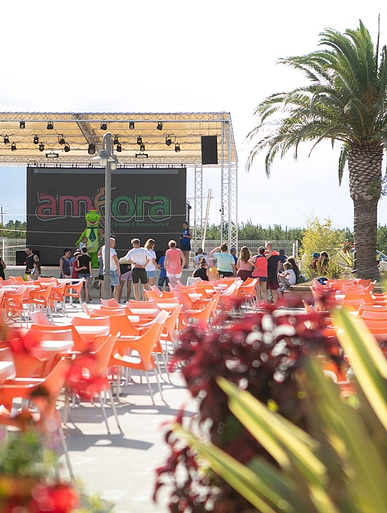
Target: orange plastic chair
<point>201,317</point>
<point>247,290</point>
<point>104,347</point>
<point>73,291</point>
<point>119,322</point>
<point>110,302</point>
<point>144,345</point>
<point>85,327</point>
<point>16,279</point>
<point>13,302</point>
<point>40,319</point>
<point>58,295</point>
<point>32,389</point>
<point>41,298</point>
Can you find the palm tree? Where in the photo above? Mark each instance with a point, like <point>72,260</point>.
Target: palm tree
<point>344,101</point>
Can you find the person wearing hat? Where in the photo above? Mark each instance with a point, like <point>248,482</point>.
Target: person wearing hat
<point>74,264</point>
<point>314,262</point>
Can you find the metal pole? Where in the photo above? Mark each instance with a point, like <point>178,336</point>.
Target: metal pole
<point>206,218</point>
<point>107,292</point>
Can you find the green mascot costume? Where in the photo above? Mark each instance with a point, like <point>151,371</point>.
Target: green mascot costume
<point>92,224</point>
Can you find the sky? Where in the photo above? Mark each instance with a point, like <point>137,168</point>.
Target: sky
<point>202,56</point>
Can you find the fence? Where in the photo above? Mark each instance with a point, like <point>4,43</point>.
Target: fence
<point>9,247</point>
<point>289,246</point>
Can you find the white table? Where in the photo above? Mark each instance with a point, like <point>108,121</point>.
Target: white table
<point>7,370</point>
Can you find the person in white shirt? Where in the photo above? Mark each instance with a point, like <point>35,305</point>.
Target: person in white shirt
<point>139,258</point>
<point>152,264</point>
<point>288,277</point>
<point>114,267</point>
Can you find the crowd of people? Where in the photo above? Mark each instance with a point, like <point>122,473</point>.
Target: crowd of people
<point>275,270</point>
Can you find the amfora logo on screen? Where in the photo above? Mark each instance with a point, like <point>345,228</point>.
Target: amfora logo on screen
<point>123,208</point>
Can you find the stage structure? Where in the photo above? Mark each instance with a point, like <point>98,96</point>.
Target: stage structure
<point>201,141</point>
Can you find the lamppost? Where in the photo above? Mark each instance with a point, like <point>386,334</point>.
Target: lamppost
<point>109,161</point>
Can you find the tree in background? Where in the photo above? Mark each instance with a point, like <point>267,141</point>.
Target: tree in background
<point>319,236</point>
<point>13,230</point>
<point>345,101</point>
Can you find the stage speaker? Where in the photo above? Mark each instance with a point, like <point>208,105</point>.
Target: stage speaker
<point>21,257</point>
<point>209,149</point>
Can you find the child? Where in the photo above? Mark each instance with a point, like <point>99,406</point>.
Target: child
<point>212,271</point>
<point>163,278</point>
<point>201,271</point>
<point>288,277</point>
<point>313,264</point>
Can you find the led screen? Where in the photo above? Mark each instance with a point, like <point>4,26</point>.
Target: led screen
<point>146,203</point>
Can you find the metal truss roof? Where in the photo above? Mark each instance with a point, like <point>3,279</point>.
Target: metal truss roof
<point>67,142</point>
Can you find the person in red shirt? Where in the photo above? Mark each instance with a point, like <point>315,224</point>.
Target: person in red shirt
<point>259,262</point>
<point>174,262</point>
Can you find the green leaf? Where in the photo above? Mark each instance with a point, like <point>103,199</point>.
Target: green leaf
<point>367,360</point>
<point>240,477</point>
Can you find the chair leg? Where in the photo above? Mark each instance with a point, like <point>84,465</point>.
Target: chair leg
<point>150,389</point>
<point>65,451</point>
<point>114,408</point>
<point>104,413</point>
<point>159,387</point>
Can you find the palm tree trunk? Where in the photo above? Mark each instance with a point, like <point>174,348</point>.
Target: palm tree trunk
<point>365,224</point>
<point>365,184</point>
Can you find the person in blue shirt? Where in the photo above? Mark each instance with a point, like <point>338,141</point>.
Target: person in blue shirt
<point>163,278</point>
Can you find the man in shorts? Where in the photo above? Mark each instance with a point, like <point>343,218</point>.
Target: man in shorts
<point>126,277</point>
<point>139,258</point>
<point>273,268</point>
<point>114,267</point>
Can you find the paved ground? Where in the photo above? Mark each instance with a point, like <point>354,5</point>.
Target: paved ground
<point>120,467</point>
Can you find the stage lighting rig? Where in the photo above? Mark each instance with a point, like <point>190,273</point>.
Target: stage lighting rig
<point>50,126</point>
<point>103,125</point>
<point>116,140</point>
<point>22,125</point>
<point>61,140</point>
<point>142,147</point>
<point>159,126</point>
<point>13,147</point>
<point>91,149</point>
<point>41,147</point>
<point>139,140</point>
<point>168,140</point>
<point>177,147</point>
<point>6,139</point>
<point>119,148</point>
<point>131,125</point>
<point>36,139</point>
<point>66,148</point>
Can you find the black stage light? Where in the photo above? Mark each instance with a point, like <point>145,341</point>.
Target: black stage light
<point>115,140</point>
<point>36,139</point>
<point>139,139</point>
<point>13,147</point>
<point>6,139</point>
<point>91,149</point>
<point>159,125</point>
<point>119,148</point>
<point>41,147</point>
<point>142,147</point>
<point>62,140</point>
<point>131,125</point>
<point>168,140</point>
<point>22,125</point>
<point>50,126</point>
<point>177,147</point>
<point>103,125</point>
<point>66,148</point>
